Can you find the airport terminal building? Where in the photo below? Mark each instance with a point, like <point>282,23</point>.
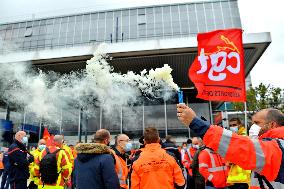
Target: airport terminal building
<point>139,38</point>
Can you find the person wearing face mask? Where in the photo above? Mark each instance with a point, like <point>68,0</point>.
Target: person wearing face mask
<point>95,164</point>
<point>264,155</point>
<point>188,159</point>
<point>208,168</point>
<point>122,145</point>
<point>19,159</point>
<point>34,181</point>
<point>236,126</point>
<point>238,178</point>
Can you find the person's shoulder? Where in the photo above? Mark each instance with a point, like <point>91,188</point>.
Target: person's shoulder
<point>13,146</point>
<point>106,158</point>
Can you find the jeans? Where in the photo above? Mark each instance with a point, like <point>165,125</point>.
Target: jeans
<point>5,180</point>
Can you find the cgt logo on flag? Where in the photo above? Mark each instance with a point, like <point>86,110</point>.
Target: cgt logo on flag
<point>218,71</point>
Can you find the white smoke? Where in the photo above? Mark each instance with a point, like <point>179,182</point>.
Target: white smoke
<point>47,94</point>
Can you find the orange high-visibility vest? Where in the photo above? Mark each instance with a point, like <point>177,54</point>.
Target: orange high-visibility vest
<point>121,170</point>
<point>212,167</point>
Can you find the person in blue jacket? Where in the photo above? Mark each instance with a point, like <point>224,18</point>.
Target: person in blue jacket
<point>95,164</point>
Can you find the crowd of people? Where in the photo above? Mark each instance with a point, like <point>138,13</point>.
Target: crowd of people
<point>216,158</point>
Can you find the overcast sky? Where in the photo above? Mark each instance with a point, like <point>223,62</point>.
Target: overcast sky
<point>256,16</point>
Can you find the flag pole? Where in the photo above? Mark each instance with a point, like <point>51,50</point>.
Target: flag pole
<point>246,118</point>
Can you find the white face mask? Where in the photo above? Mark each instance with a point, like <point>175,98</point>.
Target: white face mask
<point>254,131</point>
<point>195,146</point>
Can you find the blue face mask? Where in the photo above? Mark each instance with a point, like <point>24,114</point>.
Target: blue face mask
<point>234,129</point>
<point>25,140</point>
<point>41,147</point>
<point>128,147</point>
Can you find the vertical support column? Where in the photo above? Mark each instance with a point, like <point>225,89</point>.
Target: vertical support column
<point>101,116</point>
<point>143,117</point>
<point>85,124</point>
<point>40,124</point>
<point>61,122</point>
<point>166,120</point>
<point>8,113</point>
<point>211,113</point>
<point>79,125</point>
<point>116,30</point>
<point>24,121</point>
<point>121,119</point>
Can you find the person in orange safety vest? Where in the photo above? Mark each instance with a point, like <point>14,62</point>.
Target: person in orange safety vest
<point>263,155</point>
<point>122,145</point>
<point>155,168</point>
<point>212,167</point>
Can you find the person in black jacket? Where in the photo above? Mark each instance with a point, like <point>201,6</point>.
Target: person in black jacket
<point>95,165</point>
<point>170,146</point>
<point>19,161</point>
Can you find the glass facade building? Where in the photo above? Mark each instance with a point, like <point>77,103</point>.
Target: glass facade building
<point>111,26</point>
<point>141,23</point>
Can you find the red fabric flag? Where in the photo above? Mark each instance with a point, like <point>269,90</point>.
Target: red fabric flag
<point>47,137</point>
<point>218,71</point>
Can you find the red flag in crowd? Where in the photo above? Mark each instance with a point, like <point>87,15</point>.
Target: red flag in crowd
<point>218,71</point>
<point>47,137</point>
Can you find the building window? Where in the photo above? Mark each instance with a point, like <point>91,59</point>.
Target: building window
<point>142,18</point>
<point>142,29</point>
<point>29,31</point>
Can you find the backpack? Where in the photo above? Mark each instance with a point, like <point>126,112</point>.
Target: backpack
<point>48,168</point>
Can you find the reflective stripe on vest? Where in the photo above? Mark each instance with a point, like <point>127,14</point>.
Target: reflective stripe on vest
<point>213,167</point>
<point>202,165</point>
<point>224,142</point>
<point>260,159</point>
<point>210,177</point>
<point>119,174</point>
<point>279,181</point>
<point>188,153</point>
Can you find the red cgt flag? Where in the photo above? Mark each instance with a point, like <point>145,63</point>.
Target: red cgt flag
<point>218,71</point>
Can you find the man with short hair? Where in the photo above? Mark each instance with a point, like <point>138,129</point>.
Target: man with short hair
<point>19,159</point>
<point>170,146</point>
<point>238,178</point>
<point>236,126</point>
<point>122,145</point>
<point>63,164</point>
<point>155,168</point>
<point>263,155</point>
<point>95,165</point>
